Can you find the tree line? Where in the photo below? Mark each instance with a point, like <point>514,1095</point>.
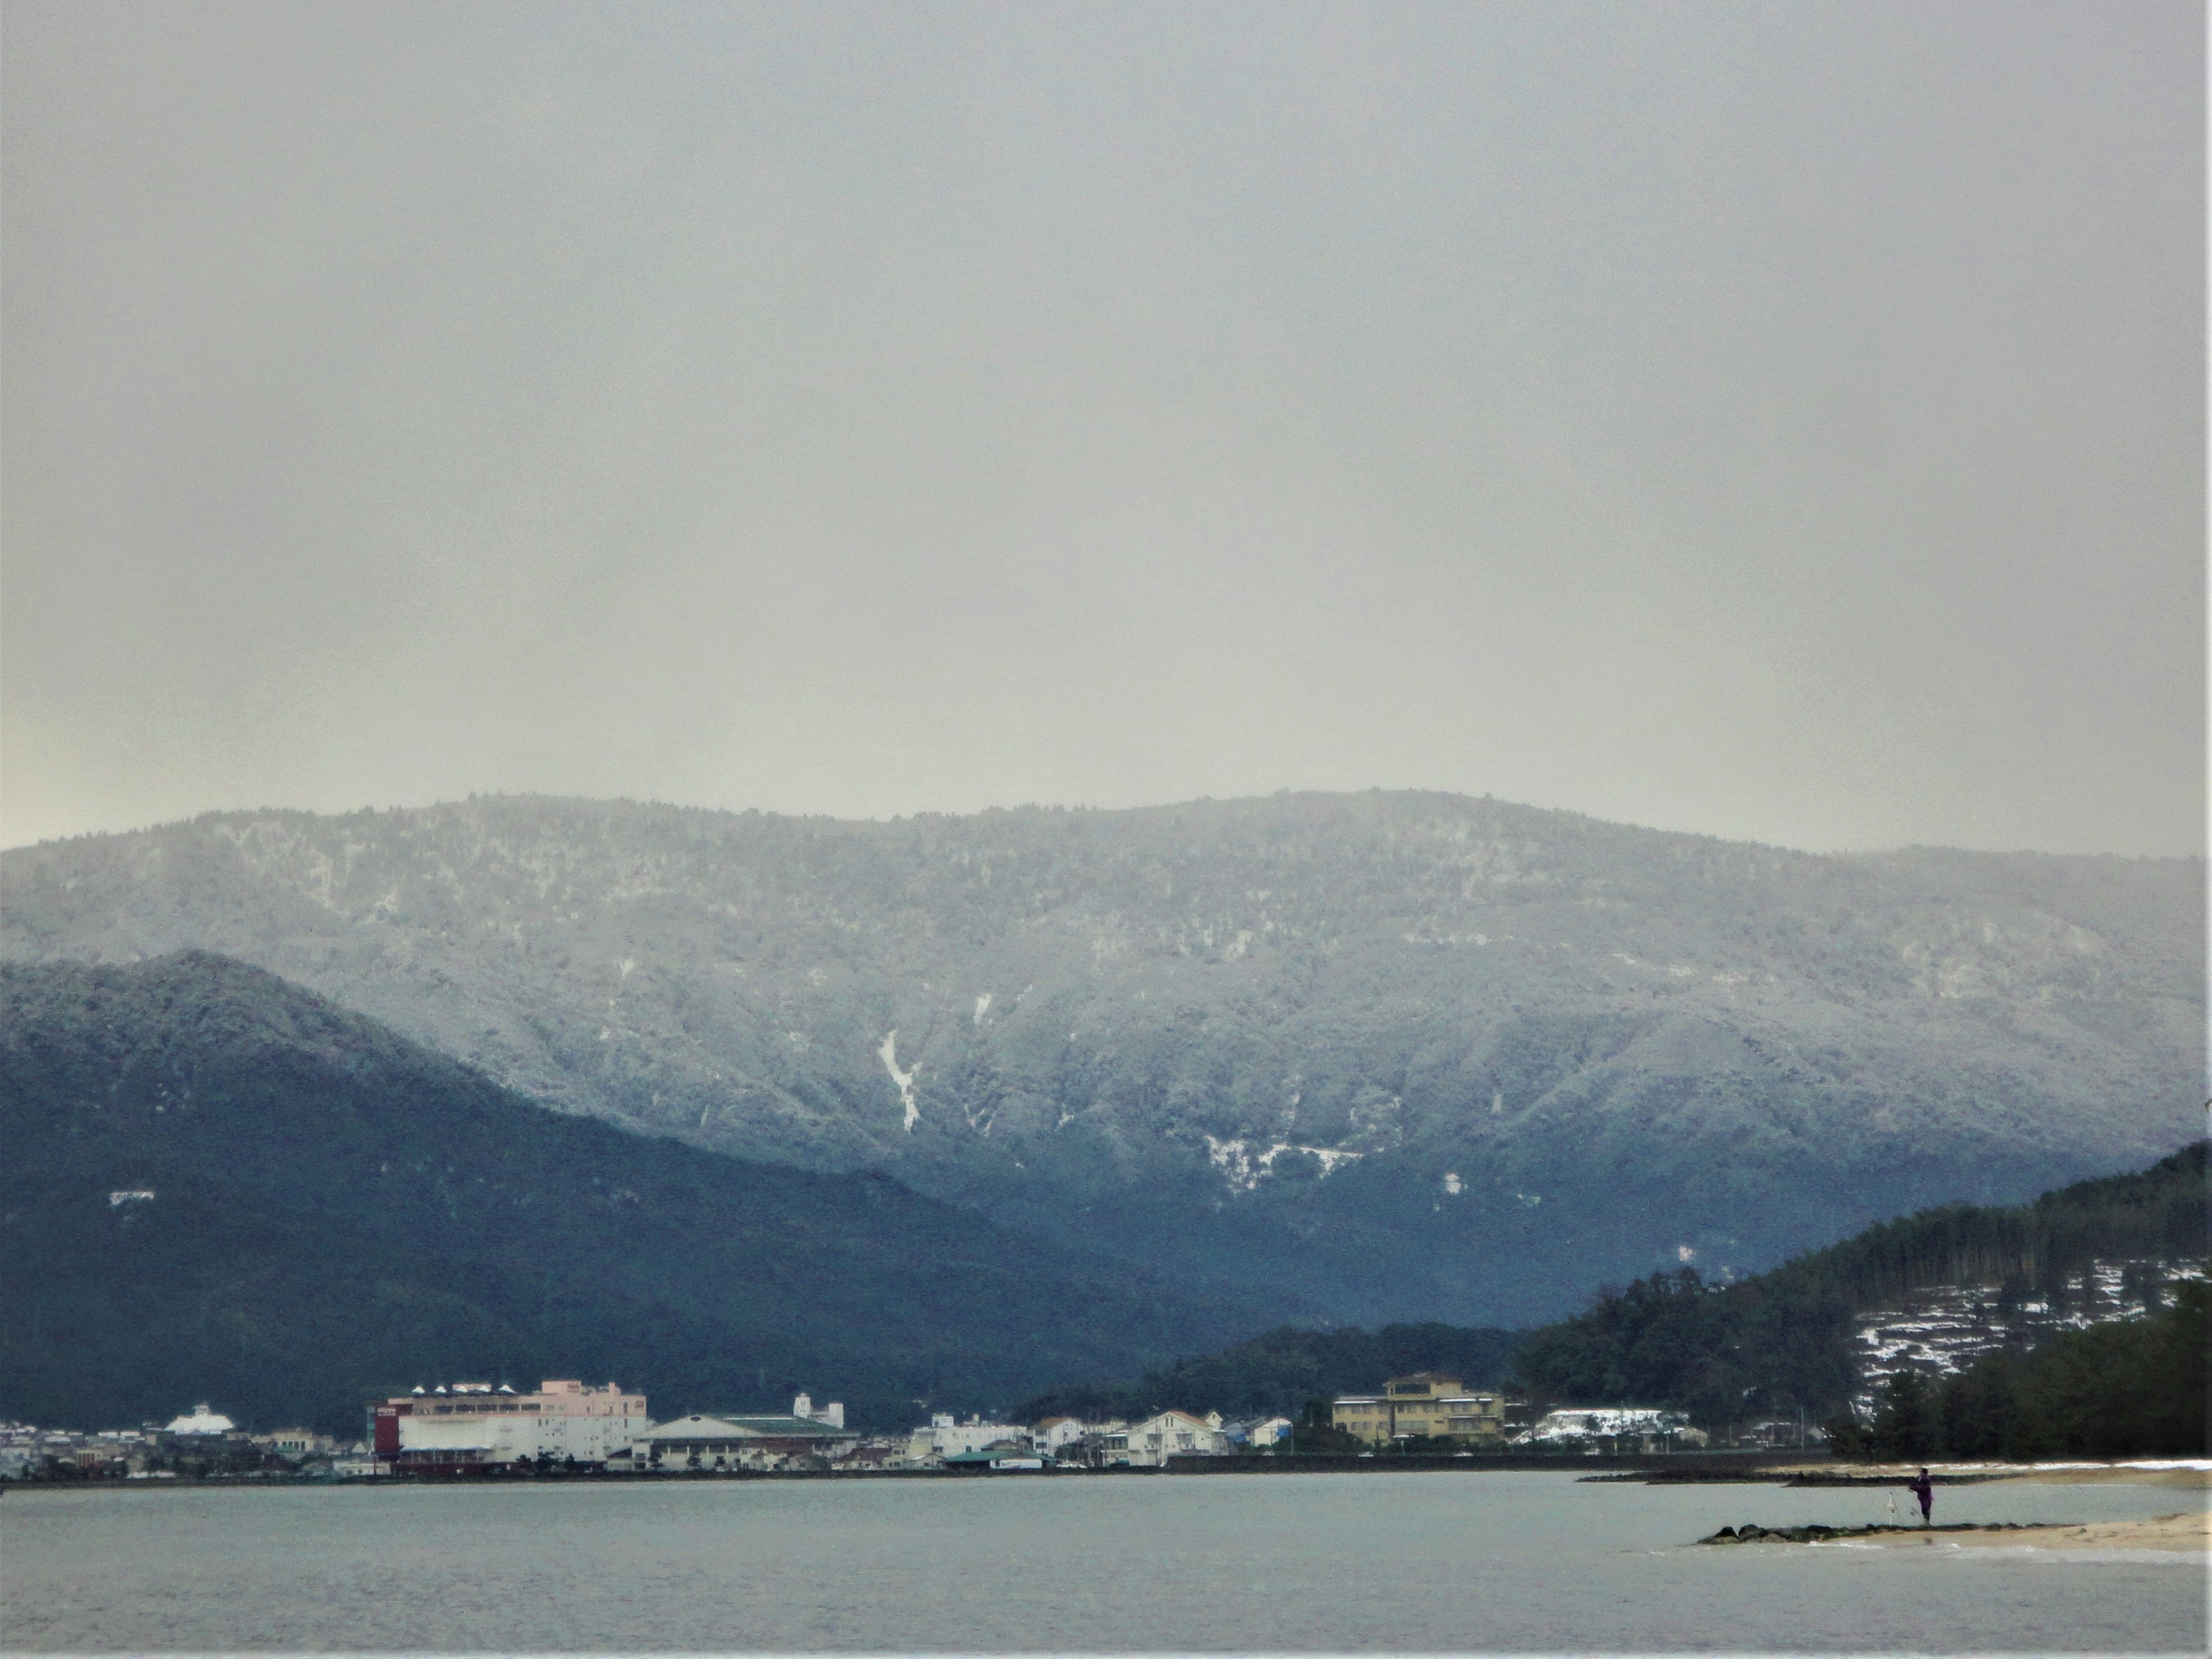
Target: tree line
<point>2124,1389</point>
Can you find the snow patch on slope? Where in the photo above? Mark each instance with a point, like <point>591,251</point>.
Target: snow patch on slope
<point>1243,1167</point>
<point>889,1055</point>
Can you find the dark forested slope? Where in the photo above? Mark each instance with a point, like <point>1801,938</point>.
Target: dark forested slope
<point>336,1212</point>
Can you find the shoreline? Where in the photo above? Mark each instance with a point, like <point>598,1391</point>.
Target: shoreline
<point>2194,1472</point>
<point>2186,1532</point>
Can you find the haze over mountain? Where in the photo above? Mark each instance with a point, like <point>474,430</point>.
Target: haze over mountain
<point>1410,1055</point>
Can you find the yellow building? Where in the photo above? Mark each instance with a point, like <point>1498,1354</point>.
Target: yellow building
<point>1426,1403</point>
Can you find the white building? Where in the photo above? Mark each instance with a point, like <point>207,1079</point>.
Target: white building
<point>949,1438</point>
<point>1055,1433</point>
<point>202,1420</point>
<point>471,1423</point>
<point>802,1405</point>
<point>293,1443</point>
<point>1150,1444</point>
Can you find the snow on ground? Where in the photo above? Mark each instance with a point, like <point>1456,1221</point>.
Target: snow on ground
<point>889,1055</point>
<point>1243,1168</point>
<point>1943,1330</point>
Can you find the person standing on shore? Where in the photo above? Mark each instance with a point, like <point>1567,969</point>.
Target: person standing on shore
<point>1924,1489</point>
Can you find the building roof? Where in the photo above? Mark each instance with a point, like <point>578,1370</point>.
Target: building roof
<point>732,1425</point>
<point>699,1427</point>
<point>992,1453</point>
<point>1425,1376</point>
<point>784,1426</point>
<point>1196,1422</point>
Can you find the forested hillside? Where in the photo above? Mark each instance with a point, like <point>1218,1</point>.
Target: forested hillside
<point>1785,1339</point>
<point>326,1212</point>
<point>2117,1390</point>
<point>1413,1056</point>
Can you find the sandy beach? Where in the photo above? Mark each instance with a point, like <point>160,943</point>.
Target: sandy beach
<point>2119,1473</point>
<point>2190,1530</point>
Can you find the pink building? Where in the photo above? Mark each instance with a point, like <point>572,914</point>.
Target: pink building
<point>450,1429</point>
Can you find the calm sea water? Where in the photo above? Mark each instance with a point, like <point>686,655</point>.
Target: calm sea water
<point>1521,1562</point>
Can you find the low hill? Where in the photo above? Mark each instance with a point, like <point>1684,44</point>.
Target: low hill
<point>1770,1343</point>
<point>1412,1056</point>
<point>1787,1339</point>
<point>337,1213</point>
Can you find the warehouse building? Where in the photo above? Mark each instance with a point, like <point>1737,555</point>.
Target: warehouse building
<point>733,1440</point>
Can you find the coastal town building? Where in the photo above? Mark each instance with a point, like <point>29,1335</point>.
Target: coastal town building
<point>1257,1433</point>
<point>802,1405</point>
<point>151,1452</point>
<point>1150,1444</point>
<point>998,1460</point>
<point>947,1437</point>
<point>1054,1434</point>
<point>871,1456</point>
<point>451,1428</point>
<point>1431,1405</point>
<point>201,1420</point>
<point>739,1440</point>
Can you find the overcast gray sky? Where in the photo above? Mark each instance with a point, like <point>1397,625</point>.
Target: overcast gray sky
<point>1783,421</point>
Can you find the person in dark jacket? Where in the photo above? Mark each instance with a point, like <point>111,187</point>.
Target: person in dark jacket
<point>1924,1489</point>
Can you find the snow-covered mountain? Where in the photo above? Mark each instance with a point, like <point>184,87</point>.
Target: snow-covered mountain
<point>1406,1054</point>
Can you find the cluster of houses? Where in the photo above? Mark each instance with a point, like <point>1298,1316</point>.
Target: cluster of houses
<point>819,1439</point>
<point>465,1428</point>
<point>1432,1408</point>
<point>1115,1443</point>
<point>456,1428</point>
<point>197,1441</point>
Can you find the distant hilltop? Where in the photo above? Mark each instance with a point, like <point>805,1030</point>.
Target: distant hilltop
<point>1407,1055</point>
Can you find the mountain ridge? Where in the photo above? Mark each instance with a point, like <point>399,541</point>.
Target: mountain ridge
<point>1414,1055</point>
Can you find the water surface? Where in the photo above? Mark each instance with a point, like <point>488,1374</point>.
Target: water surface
<point>1496,1561</point>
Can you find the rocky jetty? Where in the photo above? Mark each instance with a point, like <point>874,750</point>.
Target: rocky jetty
<point>2186,1531</point>
<point>1816,1534</point>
